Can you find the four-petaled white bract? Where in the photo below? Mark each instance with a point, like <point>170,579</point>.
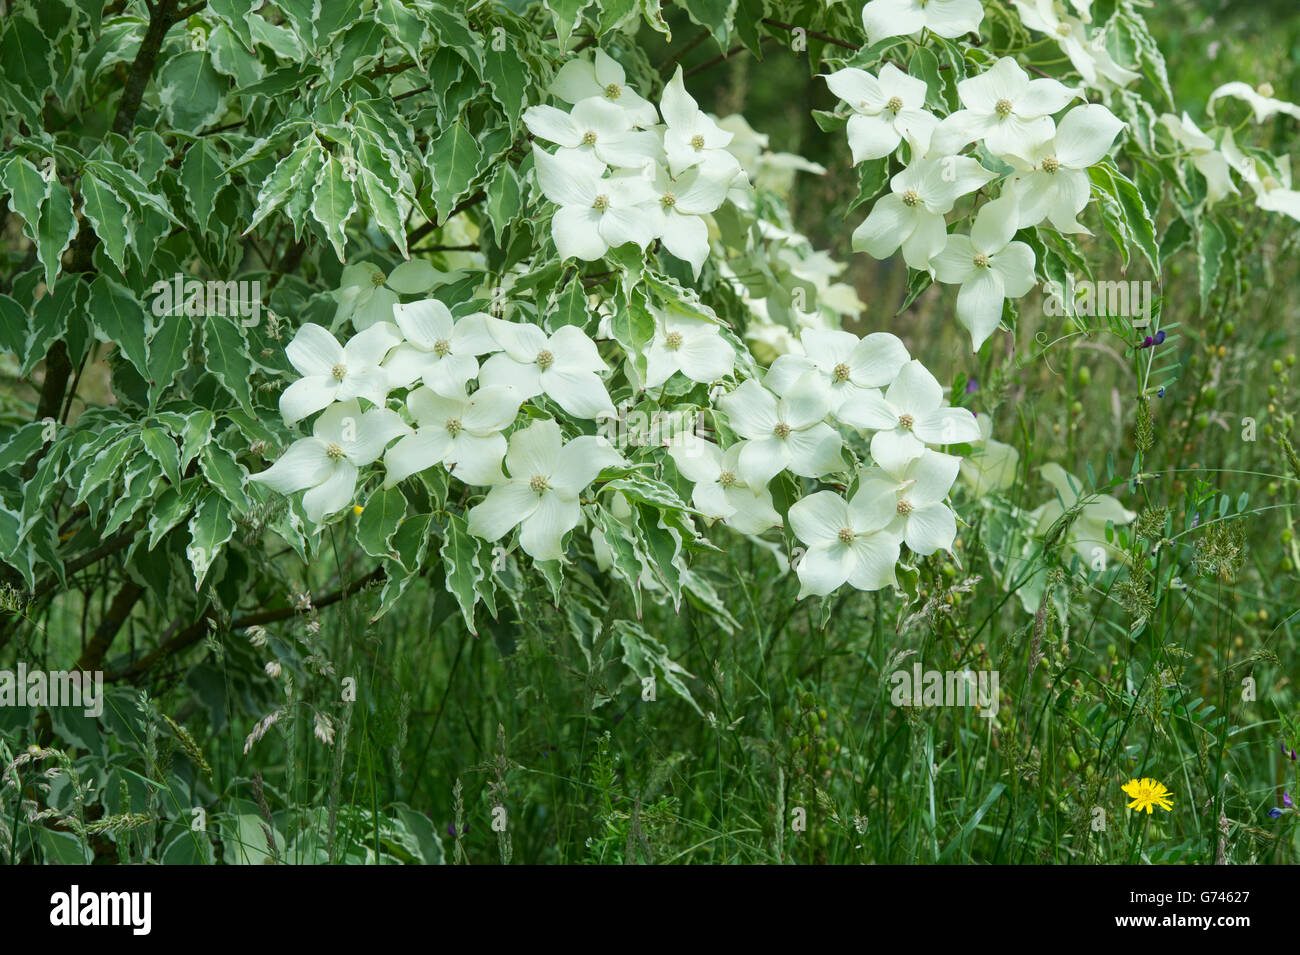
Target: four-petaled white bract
<point>541,494</point>
<point>918,487</point>
<point>909,416</point>
<point>565,366</point>
<point>462,432</point>
<point>848,541</point>
<point>886,110</point>
<point>333,372</point>
<point>326,465</point>
<point>438,350</point>
<point>785,433</point>
<point>720,493</point>
<point>945,18</point>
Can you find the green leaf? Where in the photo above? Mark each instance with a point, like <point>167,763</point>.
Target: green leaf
<point>56,229</point>
<point>452,161</point>
<point>210,529</point>
<point>227,358</point>
<point>109,215</point>
<point>162,448</point>
<point>1210,245</point>
<point>117,316</point>
<point>191,91</point>
<point>379,521</point>
<point>333,204</point>
<point>202,175</point>
<point>459,557</point>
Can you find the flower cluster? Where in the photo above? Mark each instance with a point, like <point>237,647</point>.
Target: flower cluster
<point>1010,117</point>
<point>787,422</point>
<point>618,175</point>
<point>435,357</point>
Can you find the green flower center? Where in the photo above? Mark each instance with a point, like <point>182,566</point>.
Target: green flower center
<point>841,372</point>
<point>894,104</point>
<point>601,203</point>
<point>782,430</point>
<point>589,138</point>
<point>453,426</point>
<point>910,198</point>
<point>904,507</point>
<point>673,341</point>
<point>697,141</point>
<point>378,278</point>
<point>538,483</point>
<point>981,260</point>
<point>338,372</point>
<point>441,347</point>
<point>727,478</point>
<point>846,535</point>
<point>1003,108</point>
<point>1051,164</point>
<point>545,359</point>
<point>668,200</point>
<point>906,421</point>
<point>333,451</point>
<point>613,91</point>
<point>1064,29</point>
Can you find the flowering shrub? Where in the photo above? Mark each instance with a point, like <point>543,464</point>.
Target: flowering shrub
<point>431,259</point>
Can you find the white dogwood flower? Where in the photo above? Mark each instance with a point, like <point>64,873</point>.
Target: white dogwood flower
<point>1052,182</point>
<point>912,215</point>
<point>850,365</point>
<point>1211,163</point>
<point>461,431</point>
<point>789,432</point>
<point>991,465</point>
<point>594,127</point>
<point>546,478</point>
<point>343,440</point>
<point>366,294</point>
<point>1088,56</point>
<point>1004,108</point>
<point>918,489</point>
<point>595,214</point>
<point>679,203</point>
<point>908,416</point>
<point>946,18</point>
<point>688,344</point>
<point>1087,533</point>
<point>580,79</point>
<point>988,266</point>
<point>848,542</point>
<point>439,350</point>
<point>565,366</point>
<point>885,110</point>
<point>333,372</point>
<point>720,493</point>
<point>1261,101</point>
<point>692,138</point>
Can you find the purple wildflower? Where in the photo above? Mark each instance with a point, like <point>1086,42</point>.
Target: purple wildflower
<point>1160,338</point>
<point>1286,800</point>
<point>972,386</point>
<point>1274,813</point>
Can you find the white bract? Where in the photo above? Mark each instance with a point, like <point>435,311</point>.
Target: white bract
<point>1089,57</point>
<point>1087,533</point>
<point>992,465</point>
<point>908,416</point>
<point>595,214</point>
<point>688,344</point>
<point>594,127</point>
<point>885,110</point>
<point>850,366</point>
<point>343,440</point>
<point>461,431</point>
<point>366,295</point>
<point>1211,163</point>
<point>565,366</point>
<point>1004,108</point>
<point>439,350</point>
<point>679,203</point>
<point>945,18</point>
<point>1052,182</point>
<point>720,493</point>
<point>1262,102</point>
<point>692,138</point>
<point>912,215</point>
<point>581,79</point>
<point>546,478</point>
<point>988,266</point>
<point>785,433</point>
<point>333,372</point>
<point>848,541</point>
<point>917,490</point>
